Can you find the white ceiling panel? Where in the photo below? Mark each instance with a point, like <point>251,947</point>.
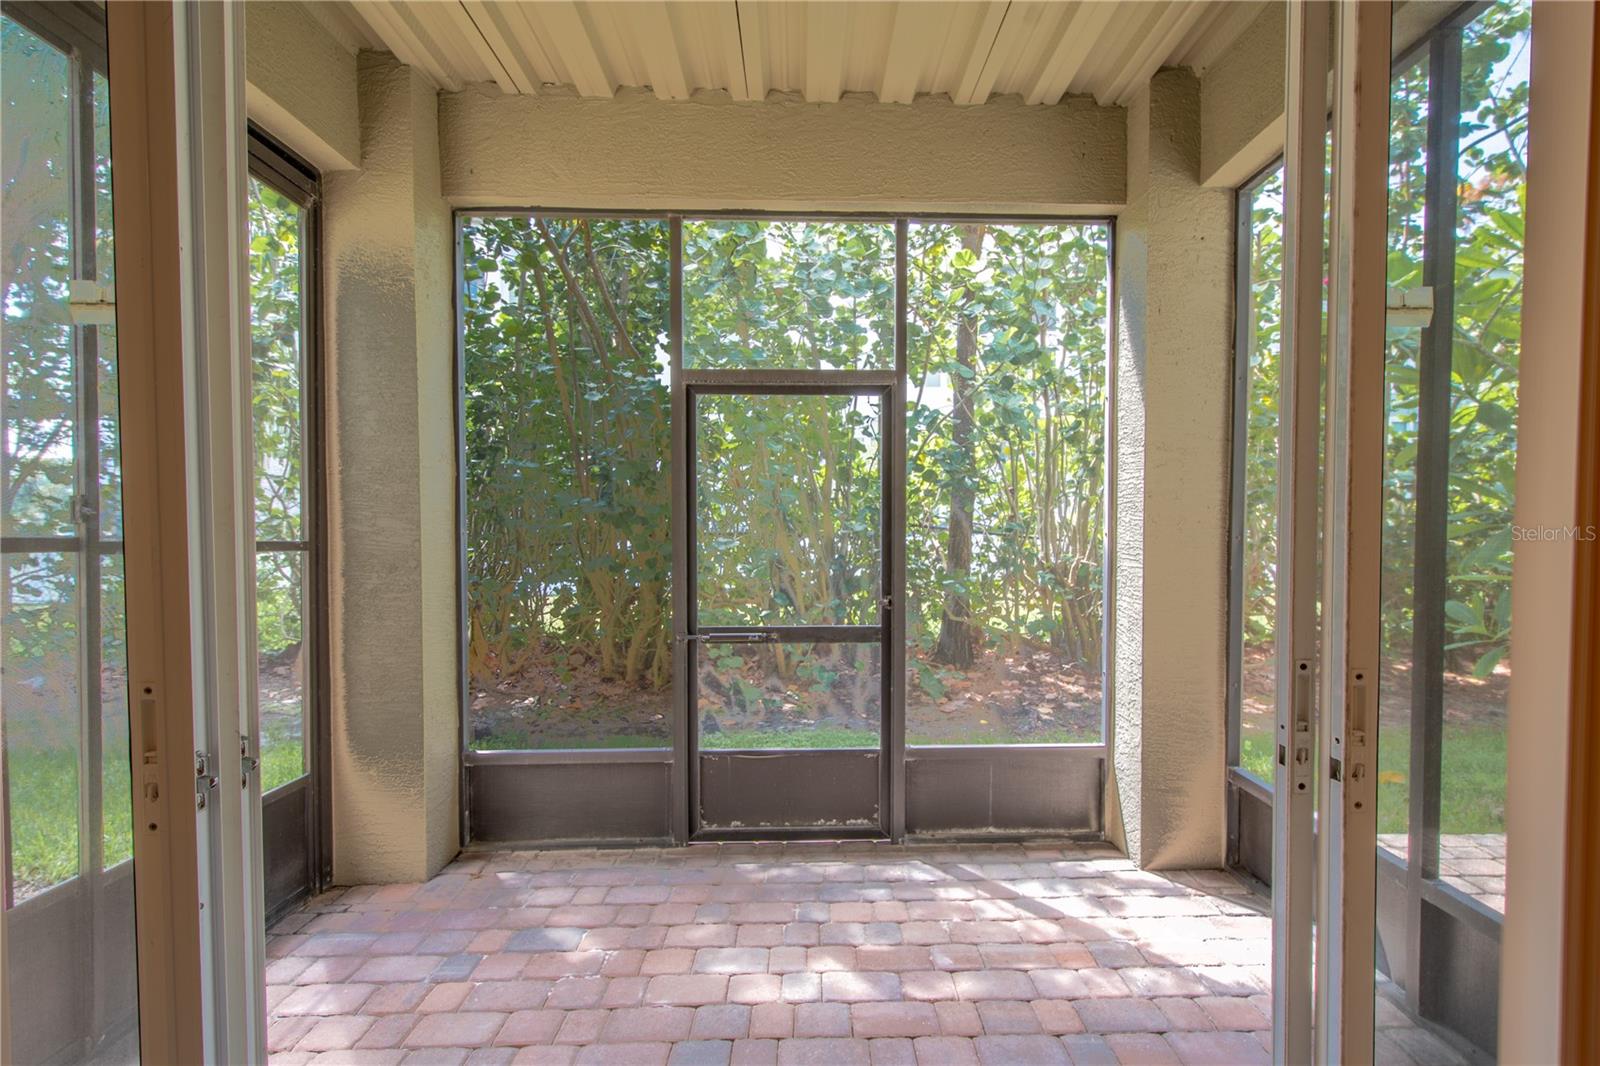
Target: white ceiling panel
<point>897,50</point>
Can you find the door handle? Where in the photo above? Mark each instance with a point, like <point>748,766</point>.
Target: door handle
<point>732,638</point>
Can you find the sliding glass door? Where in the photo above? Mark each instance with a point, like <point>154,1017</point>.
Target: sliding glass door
<point>68,882</point>
<point>1431,706</point>
<point>1457,170</point>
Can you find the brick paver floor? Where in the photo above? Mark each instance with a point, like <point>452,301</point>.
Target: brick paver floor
<point>1473,862</point>
<point>790,954</point>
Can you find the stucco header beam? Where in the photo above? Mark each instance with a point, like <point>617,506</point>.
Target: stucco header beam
<point>300,85</point>
<point>635,151</point>
<point>1241,92</point>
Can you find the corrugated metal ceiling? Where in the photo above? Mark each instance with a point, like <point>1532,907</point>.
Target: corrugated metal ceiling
<point>966,49</point>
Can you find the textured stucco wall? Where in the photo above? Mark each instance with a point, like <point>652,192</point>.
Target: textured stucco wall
<point>636,151</point>
<point>1242,91</point>
<point>1242,101</point>
<point>1124,782</point>
<point>300,84</point>
<point>391,495</point>
<point>1173,383</point>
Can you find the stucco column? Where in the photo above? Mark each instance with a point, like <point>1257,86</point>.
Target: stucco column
<point>392,567</point>
<point>1172,384</point>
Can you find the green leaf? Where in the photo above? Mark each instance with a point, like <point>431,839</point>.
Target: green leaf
<point>1488,661</point>
<point>1494,416</point>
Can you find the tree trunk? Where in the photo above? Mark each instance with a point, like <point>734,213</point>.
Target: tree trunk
<point>958,638</point>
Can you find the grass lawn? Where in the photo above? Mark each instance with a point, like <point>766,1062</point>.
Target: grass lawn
<point>44,783</point>
<point>282,758</point>
<point>1473,775</point>
<point>43,787</point>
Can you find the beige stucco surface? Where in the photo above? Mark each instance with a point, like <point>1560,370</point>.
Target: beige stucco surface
<point>391,491</point>
<point>1241,102</point>
<point>636,151</point>
<point>1242,91</point>
<point>300,84</point>
<point>1171,392</point>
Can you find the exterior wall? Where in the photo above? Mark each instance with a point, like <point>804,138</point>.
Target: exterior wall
<point>300,84</point>
<point>1241,102</point>
<point>1538,725</point>
<point>391,491</point>
<point>1171,396</point>
<point>636,151</point>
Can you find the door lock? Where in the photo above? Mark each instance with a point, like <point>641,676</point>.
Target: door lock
<point>247,762</point>
<point>205,782</point>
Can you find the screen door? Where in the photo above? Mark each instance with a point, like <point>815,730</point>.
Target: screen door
<point>787,626</point>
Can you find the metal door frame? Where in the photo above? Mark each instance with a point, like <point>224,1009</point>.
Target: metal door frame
<point>1421,920</point>
<point>276,166</point>
<point>1343,830</point>
<point>1353,535</point>
<point>531,796</point>
<point>889,385</point>
<point>1293,872</point>
<point>695,384</point>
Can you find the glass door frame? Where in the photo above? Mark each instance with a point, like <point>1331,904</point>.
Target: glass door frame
<point>89,915</point>
<point>82,42</point>
<point>889,386</point>
<point>1419,915</point>
<point>1339,840</point>
<point>276,166</point>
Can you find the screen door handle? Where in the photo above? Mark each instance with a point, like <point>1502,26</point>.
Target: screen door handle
<point>732,638</point>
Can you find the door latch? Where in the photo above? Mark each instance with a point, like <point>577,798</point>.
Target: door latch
<point>247,762</point>
<point>205,781</point>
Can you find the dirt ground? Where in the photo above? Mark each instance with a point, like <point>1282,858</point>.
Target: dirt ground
<point>1467,699</point>
<point>279,681</point>
<point>1025,694</point>
<point>555,704</point>
<point>1029,693</point>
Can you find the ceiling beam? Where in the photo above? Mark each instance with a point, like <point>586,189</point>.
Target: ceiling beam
<point>1020,25</point>
<point>570,45</point>
<point>528,43</point>
<point>1156,47</point>
<point>983,41</point>
<point>1201,30</point>
<point>663,63</point>
<point>825,35</point>
<point>1211,37</point>
<point>459,45</point>
<point>752,22</point>
<point>1079,36</point>
<point>1115,45</point>
<point>717,22</point>
<point>488,19</point>
<point>410,43</point>
<point>913,42</point>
